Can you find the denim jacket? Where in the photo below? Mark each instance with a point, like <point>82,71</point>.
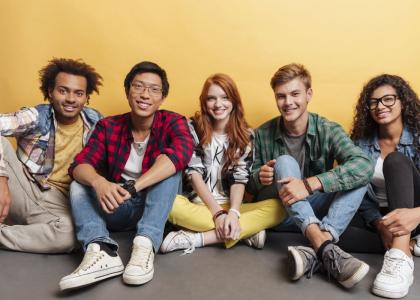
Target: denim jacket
<point>369,209</point>
<point>34,129</point>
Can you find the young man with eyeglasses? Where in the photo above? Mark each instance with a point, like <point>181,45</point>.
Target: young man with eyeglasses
<point>127,178</point>
<point>294,161</point>
<point>34,183</point>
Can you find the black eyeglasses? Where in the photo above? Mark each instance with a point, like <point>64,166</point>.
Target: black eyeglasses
<point>387,100</point>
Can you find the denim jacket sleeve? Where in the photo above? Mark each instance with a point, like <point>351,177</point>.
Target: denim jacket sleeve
<point>16,124</point>
<point>369,208</point>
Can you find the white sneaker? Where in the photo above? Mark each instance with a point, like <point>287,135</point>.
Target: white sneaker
<point>177,240</point>
<point>96,265</point>
<point>416,246</point>
<point>257,240</point>
<point>140,269</point>
<point>396,275</point>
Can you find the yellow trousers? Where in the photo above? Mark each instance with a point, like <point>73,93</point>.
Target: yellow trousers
<point>254,216</point>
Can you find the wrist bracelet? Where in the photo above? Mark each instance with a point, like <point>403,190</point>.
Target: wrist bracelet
<point>236,212</point>
<point>307,186</point>
<point>219,213</point>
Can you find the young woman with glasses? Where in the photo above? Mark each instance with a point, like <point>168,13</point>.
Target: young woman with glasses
<point>386,126</point>
<point>211,211</point>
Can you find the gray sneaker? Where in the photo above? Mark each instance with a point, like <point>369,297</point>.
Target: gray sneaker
<point>301,260</point>
<point>346,269</point>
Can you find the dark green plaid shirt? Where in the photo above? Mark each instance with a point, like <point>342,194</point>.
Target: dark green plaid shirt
<point>325,143</point>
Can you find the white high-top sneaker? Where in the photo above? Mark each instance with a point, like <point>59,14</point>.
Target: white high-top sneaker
<point>140,269</point>
<point>96,265</point>
<point>396,275</point>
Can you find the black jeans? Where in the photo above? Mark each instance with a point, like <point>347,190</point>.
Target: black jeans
<point>402,181</point>
<point>403,191</point>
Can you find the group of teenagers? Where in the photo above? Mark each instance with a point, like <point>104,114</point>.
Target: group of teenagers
<point>75,175</point>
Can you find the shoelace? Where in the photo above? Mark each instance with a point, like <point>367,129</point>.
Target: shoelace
<point>313,262</point>
<point>140,256</point>
<point>313,269</point>
<point>392,264</point>
<point>334,262</point>
<point>183,240</point>
<point>89,260</point>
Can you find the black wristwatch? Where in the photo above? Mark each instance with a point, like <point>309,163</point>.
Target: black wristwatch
<point>129,187</point>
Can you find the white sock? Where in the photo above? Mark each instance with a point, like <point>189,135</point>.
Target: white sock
<point>198,239</point>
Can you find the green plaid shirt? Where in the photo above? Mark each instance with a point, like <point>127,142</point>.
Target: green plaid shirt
<point>325,143</point>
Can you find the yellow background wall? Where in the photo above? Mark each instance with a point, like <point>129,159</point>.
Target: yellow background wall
<point>342,43</point>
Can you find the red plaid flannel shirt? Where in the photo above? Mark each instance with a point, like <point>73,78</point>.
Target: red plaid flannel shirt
<point>109,146</point>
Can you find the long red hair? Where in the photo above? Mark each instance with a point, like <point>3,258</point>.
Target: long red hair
<point>237,129</point>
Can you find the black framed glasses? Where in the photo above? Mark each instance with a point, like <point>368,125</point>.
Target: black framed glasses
<point>387,100</point>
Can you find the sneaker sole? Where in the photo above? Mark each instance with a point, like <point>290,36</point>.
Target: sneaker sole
<point>389,294</point>
<point>88,279</point>
<point>137,280</point>
<point>296,268</point>
<point>356,277</point>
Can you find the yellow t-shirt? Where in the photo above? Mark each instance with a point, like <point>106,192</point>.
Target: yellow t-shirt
<point>68,143</point>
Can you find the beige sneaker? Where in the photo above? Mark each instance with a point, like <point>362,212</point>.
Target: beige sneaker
<point>140,269</point>
<point>96,265</point>
<point>257,240</point>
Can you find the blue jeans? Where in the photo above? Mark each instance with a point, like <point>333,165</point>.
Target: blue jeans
<point>147,212</point>
<point>336,209</point>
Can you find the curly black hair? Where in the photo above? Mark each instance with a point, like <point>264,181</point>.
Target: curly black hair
<point>48,74</point>
<point>363,124</point>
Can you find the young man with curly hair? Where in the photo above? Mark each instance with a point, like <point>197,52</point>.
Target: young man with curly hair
<point>294,161</point>
<point>127,178</point>
<point>34,183</point>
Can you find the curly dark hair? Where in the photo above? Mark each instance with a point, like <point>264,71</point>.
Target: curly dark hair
<point>363,124</point>
<point>48,74</point>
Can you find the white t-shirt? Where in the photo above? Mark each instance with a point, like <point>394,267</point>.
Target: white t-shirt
<point>133,166</point>
<point>213,162</point>
<point>377,187</point>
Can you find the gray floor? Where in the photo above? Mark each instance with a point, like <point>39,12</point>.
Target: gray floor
<point>208,273</point>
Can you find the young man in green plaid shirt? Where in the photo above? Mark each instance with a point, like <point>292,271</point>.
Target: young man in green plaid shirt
<point>294,161</point>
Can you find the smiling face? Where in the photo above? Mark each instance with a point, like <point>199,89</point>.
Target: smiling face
<point>382,114</point>
<point>68,97</point>
<point>292,100</point>
<point>218,105</point>
<point>145,95</point>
